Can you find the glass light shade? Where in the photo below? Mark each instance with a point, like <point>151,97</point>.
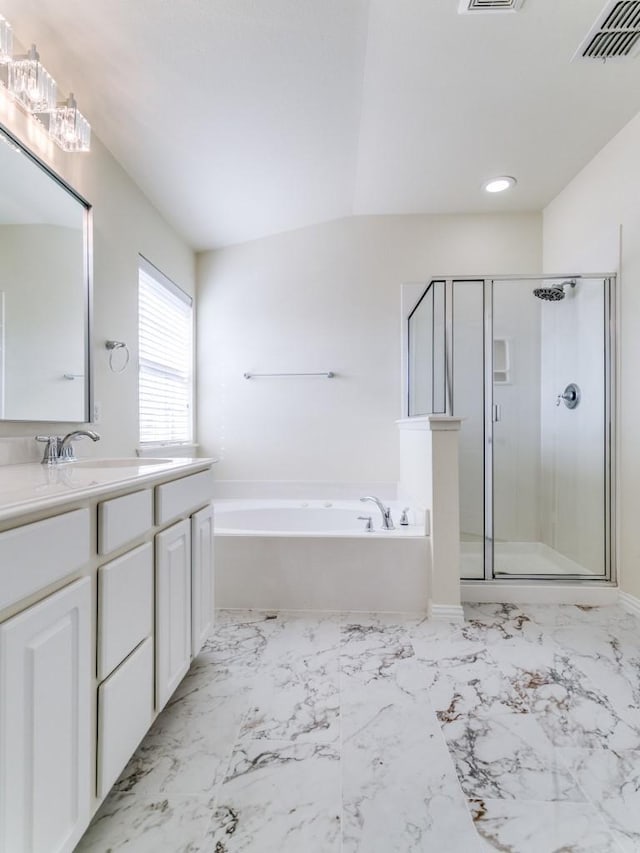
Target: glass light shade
<point>31,83</point>
<point>69,128</point>
<point>6,41</point>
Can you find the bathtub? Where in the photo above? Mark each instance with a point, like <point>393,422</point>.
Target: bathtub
<point>317,555</point>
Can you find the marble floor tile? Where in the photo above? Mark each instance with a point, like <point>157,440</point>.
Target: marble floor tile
<point>518,826</point>
<point>238,646</point>
<point>491,613</point>
<point>517,730</point>
<point>495,623</point>
<point>184,753</point>
<point>437,640</point>
<point>616,645</point>
<point>295,695</point>
<point>373,651</point>
<point>399,787</point>
<point>604,773</point>
<point>611,780</point>
<point>622,817</point>
<point>242,617</point>
<point>296,701</point>
<point>278,797</point>
<point>579,701</point>
<point>508,757</point>
<point>139,824</point>
<point>303,639</point>
<point>470,684</point>
<point>557,615</point>
<point>573,711</point>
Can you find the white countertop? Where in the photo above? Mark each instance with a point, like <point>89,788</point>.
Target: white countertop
<point>32,487</point>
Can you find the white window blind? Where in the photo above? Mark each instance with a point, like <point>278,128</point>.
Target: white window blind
<point>166,358</point>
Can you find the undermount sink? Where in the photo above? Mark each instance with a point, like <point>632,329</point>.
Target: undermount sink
<point>125,462</point>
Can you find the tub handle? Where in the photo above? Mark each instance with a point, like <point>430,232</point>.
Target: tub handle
<point>369,525</point>
<point>404,518</point>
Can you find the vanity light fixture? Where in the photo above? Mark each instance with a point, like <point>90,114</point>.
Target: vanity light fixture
<point>6,41</point>
<point>500,184</point>
<point>68,127</point>
<point>31,83</point>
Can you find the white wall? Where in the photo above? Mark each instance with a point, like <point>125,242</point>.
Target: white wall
<point>581,231</point>
<point>125,224</point>
<point>327,298</point>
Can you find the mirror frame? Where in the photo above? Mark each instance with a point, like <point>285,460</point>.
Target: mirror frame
<point>87,266</point>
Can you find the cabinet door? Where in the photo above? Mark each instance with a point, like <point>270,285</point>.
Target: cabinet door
<point>45,749</point>
<point>202,600</point>
<point>173,608</point>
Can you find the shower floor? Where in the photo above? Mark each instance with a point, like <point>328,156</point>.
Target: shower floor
<point>519,558</point>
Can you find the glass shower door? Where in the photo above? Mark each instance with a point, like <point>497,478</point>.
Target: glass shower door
<point>548,425</point>
<point>468,402</point>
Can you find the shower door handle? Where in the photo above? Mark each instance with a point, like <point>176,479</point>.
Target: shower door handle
<point>496,413</point>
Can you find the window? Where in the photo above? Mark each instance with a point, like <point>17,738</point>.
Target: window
<point>165,322</point>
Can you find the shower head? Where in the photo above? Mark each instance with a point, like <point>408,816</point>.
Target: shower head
<point>554,293</point>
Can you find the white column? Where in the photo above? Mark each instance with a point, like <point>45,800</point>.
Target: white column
<point>429,479</point>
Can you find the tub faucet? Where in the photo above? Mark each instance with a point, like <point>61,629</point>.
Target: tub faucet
<point>387,521</point>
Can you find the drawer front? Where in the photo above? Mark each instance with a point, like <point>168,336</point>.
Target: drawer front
<point>36,555</point>
<point>125,606</point>
<point>123,520</point>
<point>125,709</point>
<point>180,496</point>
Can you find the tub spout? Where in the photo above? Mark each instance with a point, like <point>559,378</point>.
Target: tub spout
<point>387,521</point>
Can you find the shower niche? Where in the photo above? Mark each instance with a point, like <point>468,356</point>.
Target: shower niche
<point>527,363</point>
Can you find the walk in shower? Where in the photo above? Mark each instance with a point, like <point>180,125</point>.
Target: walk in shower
<point>527,363</point>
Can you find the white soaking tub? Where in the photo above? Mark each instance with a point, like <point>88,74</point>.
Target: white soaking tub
<point>317,555</point>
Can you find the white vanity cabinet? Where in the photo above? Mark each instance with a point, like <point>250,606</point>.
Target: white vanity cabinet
<point>103,602</point>
<point>45,707</point>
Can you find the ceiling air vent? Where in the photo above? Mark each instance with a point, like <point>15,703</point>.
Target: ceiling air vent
<point>466,6</point>
<point>615,34</point>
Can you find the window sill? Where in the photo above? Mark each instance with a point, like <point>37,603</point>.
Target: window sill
<point>173,450</point>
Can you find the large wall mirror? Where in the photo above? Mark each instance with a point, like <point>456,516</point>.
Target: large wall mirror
<point>44,292</point>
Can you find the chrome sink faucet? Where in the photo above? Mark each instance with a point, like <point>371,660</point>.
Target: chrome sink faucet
<point>65,453</point>
<point>59,450</point>
<point>387,521</point>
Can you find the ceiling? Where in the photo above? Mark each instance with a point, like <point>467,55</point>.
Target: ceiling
<point>243,118</point>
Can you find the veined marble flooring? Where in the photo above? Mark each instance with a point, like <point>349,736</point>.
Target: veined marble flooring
<point>516,731</point>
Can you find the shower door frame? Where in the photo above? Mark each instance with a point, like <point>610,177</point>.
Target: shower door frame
<point>610,429</point>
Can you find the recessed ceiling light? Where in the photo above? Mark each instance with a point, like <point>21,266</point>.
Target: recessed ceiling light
<point>499,185</point>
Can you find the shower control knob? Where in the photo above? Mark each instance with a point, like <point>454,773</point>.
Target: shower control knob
<point>570,396</point>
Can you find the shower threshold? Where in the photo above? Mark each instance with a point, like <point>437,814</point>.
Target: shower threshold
<point>514,559</point>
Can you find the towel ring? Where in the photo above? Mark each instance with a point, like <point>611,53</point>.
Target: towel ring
<point>113,346</point>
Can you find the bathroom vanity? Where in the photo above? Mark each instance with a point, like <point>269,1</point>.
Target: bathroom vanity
<point>106,594</point>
